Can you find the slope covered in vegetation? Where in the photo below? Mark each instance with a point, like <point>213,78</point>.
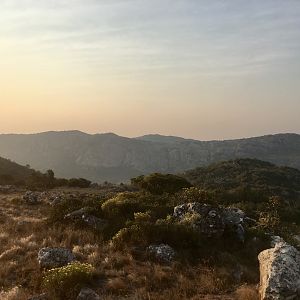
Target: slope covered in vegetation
<point>253,174</point>
<point>249,184</point>
<point>12,173</point>
<point>160,238</point>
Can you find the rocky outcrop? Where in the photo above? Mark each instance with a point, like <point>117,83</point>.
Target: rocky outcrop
<point>88,294</point>
<point>212,221</point>
<point>49,258</point>
<point>163,253</point>
<point>280,273</point>
<point>52,198</point>
<point>202,217</point>
<point>84,215</point>
<point>32,198</point>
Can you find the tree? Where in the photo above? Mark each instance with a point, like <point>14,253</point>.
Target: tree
<point>158,183</point>
<point>50,175</point>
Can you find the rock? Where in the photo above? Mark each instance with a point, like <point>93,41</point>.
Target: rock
<point>84,215</point>
<point>55,201</point>
<point>296,239</point>
<point>204,218</point>
<point>212,221</point>
<point>6,189</point>
<point>88,294</point>
<point>39,297</point>
<point>32,197</point>
<point>163,253</point>
<point>94,222</point>
<point>275,239</point>
<point>280,272</point>
<point>77,214</point>
<point>52,198</point>
<point>49,258</point>
<point>232,215</point>
<point>55,198</point>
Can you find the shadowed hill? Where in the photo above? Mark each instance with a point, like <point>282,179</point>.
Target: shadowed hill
<point>11,172</point>
<point>247,173</point>
<point>110,157</point>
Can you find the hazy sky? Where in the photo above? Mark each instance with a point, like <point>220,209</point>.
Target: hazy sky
<point>194,68</point>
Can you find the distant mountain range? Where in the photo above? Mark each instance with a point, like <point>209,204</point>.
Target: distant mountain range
<point>109,157</point>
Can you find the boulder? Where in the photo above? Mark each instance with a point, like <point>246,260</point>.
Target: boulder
<point>49,258</point>
<point>280,272</point>
<point>32,197</point>
<point>88,294</point>
<point>202,217</point>
<point>163,253</point>
<point>213,221</point>
<point>84,215</point>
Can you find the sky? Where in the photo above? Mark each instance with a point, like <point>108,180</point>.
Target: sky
<point>193,68</point>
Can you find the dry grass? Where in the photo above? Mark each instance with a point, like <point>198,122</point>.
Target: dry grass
<point>14,294</point>
<point>24,230</point>
<point>247,292</point>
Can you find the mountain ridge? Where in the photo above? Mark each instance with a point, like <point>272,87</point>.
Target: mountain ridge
<point>107,156</point>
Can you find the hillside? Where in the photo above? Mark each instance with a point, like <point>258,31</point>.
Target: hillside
<point>157,239</point>
<point>246,173</point>
<point>11,172</point>
<point>110,157</point>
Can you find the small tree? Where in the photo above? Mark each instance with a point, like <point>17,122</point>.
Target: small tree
<point>158,183</point>
<point>50,175</point>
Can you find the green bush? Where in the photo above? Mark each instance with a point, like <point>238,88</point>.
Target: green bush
<point>142,218</point>
<point>160,183</point>
<point>166,231</point>
<point>57,212</point>
<point>270,218</point>
<point>194,194</point>
<point>66,282</point>
<point>79,182</point>
<point>124,205</point>
<point>130,236</point>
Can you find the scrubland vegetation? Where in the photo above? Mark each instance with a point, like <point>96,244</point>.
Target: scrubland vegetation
<point>113,260</point>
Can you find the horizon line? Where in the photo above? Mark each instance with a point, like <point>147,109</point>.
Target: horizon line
<point>151,134</point>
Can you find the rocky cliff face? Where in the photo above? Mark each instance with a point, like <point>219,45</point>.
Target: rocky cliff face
<point>111,157</point>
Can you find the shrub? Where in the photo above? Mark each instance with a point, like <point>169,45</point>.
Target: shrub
<point>270,218</point>
<point>66,282</point>
<point>58,211</point>
<point>124,205</point>
<point>163,231</point>
<point>142,218</point>
<point>194,194</point>
<point>79,182</point>
<point>160,183</point>
<point>130,236</point>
